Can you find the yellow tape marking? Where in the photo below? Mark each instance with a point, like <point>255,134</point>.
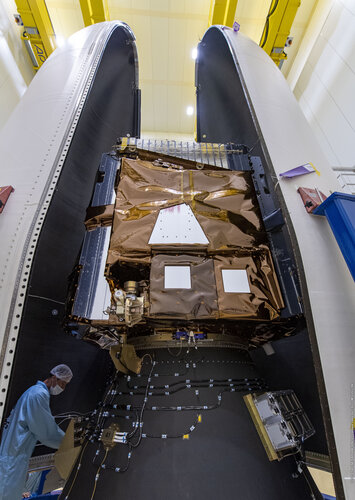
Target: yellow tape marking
<point>316,171</point>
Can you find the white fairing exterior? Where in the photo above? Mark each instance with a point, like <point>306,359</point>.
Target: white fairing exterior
<point>33,147</point>
<point>290,142</point>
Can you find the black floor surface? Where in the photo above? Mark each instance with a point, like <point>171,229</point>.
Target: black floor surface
<point>223,455</point>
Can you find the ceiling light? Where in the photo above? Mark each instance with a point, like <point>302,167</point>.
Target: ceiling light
<point>190,110</point>
<point>194,53</point>
<point>59,40</point>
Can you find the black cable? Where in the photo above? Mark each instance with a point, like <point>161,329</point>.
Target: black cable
<point>130,436</point>
<point>190,386</point>
<point>267,23</point>
<point>80,458</point>
<point>186,408</point>
<point>140,421</point>
<point>313,488</point>
<point>199,381</point>
<point>112,467</point>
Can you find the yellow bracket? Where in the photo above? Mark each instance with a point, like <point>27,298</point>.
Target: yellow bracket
<point>272,455</point>
<point>127,360</point>
<point>94,11</point>
<point>38,34</point>
<point>277,28</point>
<point>222,12</point>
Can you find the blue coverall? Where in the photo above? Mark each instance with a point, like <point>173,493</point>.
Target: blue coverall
<point>30,421</point>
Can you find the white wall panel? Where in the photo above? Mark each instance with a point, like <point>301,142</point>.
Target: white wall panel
<point>15,68</point>
<point>319,133</point>
<point>12,85</point>
<point>325,86</point>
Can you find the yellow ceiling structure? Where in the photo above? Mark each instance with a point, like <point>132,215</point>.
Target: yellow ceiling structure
<point>167,31</point>
<point>94,11</point>
<point>38,33</point>
<point>222,12</point>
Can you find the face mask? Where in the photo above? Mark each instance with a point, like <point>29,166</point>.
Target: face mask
<point>55,390</point>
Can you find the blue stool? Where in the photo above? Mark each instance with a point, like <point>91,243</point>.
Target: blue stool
<point>339,209</point>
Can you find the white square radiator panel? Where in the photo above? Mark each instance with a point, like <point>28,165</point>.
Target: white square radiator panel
<point>177,277</point>
<point>235,281</point>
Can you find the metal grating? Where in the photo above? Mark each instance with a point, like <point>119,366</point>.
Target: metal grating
<point>199,152</point>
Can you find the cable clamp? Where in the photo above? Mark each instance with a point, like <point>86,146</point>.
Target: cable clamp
<point>219,397</point>
<point>187,365</point>
<point>144,435</point>
<point>192,428</point>
<point>151,387</point>
<point>103,466</point>
<point>149,394</point>
<point>176,374</point>
<point>120,393</point>
<point>188,381</point>
<point>205,407</point>
<point>131,393</point>
<point>194,365</point>
<point>129,454</point>
<point>230,380</point>
<point>233,389</point>
<point>188,386</point>
<point>166,386</point>
<point>196,392</point>
<point>135,387</point>
<point>128,407</point>
<point>146,399</point>
<point>231,385</point>
<point>97,452</point>
<point>117,469</point>
<point>154,407</point>
<point>97,477</point>
<point>166,393</point>
<point>149,380</point>
<point>179,408</point>
<point>156,374</point>
<point>141,424</point>
<point>128,378</point>
<point>211,385</point>
<point>164,436</point>
<point>211,380</point>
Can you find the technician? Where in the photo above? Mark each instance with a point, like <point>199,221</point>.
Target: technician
<point>30,421</point>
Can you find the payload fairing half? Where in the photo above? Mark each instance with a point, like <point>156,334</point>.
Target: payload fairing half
<point>255,269</point>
